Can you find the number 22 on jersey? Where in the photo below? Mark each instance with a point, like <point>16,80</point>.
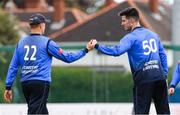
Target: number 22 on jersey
<point>28,48</point>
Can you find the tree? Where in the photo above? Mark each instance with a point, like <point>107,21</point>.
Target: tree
<point>8,29</point>
<point>9,35</point>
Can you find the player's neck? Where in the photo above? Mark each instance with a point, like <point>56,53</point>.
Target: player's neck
<point>35,31</point>
<point>136,25</point>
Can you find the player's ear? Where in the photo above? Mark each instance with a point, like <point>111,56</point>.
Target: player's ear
<point>131,20</point>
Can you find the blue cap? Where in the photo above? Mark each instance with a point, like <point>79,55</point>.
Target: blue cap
<point>37,19</point>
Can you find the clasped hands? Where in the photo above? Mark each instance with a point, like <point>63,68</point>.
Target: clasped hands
<point>91,44</point>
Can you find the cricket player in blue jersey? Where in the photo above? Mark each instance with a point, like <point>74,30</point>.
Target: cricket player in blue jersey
<point>33,55</point>
<point>148,63</point>
<point>175,79</point>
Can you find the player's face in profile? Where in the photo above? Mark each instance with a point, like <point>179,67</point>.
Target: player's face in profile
<point>125,22</point>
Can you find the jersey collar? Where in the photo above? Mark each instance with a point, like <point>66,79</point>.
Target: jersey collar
<point>136,28</point>
<point>34,34</point>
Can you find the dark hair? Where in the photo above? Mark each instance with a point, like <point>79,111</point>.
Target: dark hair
<point>130,12</point>
<point>34,26</point>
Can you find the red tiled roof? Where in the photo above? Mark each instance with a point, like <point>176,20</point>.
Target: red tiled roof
<point>61,34</point>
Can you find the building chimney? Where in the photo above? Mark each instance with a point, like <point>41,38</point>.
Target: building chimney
<point>153,5</point>
<point>108,2</point>
<point>58,10</point>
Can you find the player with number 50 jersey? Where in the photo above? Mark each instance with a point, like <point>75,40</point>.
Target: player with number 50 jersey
<point>148,63</point>
<point>146,55</point>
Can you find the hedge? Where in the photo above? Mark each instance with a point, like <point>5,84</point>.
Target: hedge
<point>83,84</point>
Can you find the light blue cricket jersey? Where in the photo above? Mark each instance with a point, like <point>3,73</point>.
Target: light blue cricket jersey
<point>146,54</point>
<point>33,55</point>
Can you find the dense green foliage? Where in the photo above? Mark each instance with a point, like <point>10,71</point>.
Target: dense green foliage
<point>8,29</point>
<point>8,36</point>
<point>88,85</point>
<point>77,84</point>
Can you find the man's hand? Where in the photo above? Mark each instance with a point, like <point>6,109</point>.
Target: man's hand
<point>91,44</point>
<point>94,42</point>
<point>171,91</point>
<point>8,95</point>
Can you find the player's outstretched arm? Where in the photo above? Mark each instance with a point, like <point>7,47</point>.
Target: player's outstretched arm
<point>117,50</point>
<point>68,57</point>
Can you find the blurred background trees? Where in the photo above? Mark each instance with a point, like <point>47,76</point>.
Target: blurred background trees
<point>9,35</point>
